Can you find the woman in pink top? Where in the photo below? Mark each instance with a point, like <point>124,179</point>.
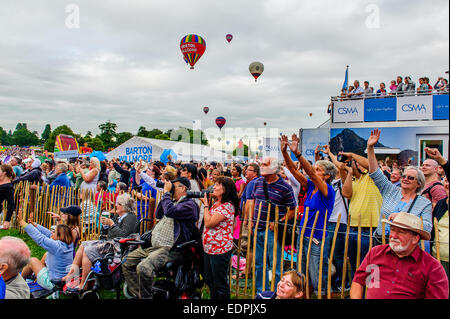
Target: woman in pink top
<point>217,236</point>
<point>393,86</point>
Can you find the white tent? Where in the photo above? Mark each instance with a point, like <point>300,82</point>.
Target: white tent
<point>137,148</point>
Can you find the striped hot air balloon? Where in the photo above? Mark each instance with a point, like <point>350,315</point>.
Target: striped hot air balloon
<point>220,122</point>
<point>192,46</point>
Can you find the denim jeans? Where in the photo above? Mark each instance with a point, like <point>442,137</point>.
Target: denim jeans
<point>338,256</point>
<point>353,246</point>
<point>259,260</point>
<point>314,263</point>
<point>216,275</point>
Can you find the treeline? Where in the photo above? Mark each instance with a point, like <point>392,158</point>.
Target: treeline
<point>107,139</point>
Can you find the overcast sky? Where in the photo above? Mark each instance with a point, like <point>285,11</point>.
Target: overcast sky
<point>123,63</point>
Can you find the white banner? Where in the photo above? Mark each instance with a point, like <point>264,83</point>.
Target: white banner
<point>311,138</point>
<point>65,154</point>
<point>348,111</point>
<point>415,108</point>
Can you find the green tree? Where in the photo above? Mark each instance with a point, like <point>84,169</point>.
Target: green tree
<point>162,136</point>
<point>122,137</point>
<point>96,144</point>
<point>23,137</point>
<point>142,132</point>
<point>63,129</point>
<point>4,137</point>
<point>46,133</point>
<point>107,133</point>
<point>180,134</point>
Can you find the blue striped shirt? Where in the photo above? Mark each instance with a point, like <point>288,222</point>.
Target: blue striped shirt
<point>392,196</point>
<point>280,194</point>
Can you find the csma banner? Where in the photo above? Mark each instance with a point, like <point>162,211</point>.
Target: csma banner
<point>415,108</point>
<point>348,111</point>
<point>134,154</point>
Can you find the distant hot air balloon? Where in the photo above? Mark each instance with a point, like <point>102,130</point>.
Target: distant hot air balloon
<point>206,110</point>
<point>256,68</point>
<point>260,147</point>
<point>192,46</point>
<point>219,139</point>
<point>228,142</point>
<point>229,37</point>
<point>265,123</point>
<point>220,122</point>
<point>310,114</point>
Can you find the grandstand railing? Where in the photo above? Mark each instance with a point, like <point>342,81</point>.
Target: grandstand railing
<point>393,94</point>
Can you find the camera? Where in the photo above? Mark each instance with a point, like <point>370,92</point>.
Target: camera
<point>159,184</point>
<point>201,194</point>
<point>342,158</point>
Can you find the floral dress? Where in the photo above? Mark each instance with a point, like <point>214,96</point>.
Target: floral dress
<point>219,240</point>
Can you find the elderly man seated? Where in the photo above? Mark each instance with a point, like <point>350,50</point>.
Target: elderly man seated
<point>14,255</point>
<point>177,216</point>
<point>400,269</point>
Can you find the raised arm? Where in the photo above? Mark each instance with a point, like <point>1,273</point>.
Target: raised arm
<point>290,164</point>
<point>373,139</point>
<point>318,182</point>
<point>437,156</point>
<point>347,187</point>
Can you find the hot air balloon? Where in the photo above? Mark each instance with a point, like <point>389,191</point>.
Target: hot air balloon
<point>265,123</point>
<point>256,68</point>
<point>228,142</point>
<point>192,46</point>
<point>206,110</point>
<point>185,60</point>
<point>310,114</point>
<point>219,139</point>
<point>229,37</point>
<point>260,147</point>
<point>220,122</point>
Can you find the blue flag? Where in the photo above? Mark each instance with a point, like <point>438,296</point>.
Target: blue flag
<point>345,86</point>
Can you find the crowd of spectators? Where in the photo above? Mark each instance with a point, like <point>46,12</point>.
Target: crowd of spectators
<point>400,86</point>
<point>367,195</point>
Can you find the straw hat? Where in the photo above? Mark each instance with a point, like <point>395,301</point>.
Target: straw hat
<point>409,222</point>
<point>144,165</point>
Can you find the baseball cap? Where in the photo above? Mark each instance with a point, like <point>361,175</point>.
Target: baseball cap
<point>184,181</point>
<point>73,210</point>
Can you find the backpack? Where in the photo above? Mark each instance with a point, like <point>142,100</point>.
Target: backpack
<point>428,190</point>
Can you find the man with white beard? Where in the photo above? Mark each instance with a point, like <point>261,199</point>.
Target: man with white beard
<point>401,269</point>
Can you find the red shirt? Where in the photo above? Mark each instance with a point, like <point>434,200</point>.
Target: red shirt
<point>417,276</point>
<point>219,240</point>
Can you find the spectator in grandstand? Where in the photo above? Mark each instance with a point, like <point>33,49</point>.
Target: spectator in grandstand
<point>423,87</point>
<point>427,82</point>
<point>440,83</point>
<point>444,88</point>
<point>382,90</point>
<point>319,201</point>
<point>292,285</point>
<point>401,88</point>
<point>433,189</point>
<point>407,198</point>
<point>122,224</point>
<point>357,91</point>
<point>403,270</point>
<point>409,86</point>
<point>393,87</point>
<point>396,177</point>
<point>6,193</point>
<point>367,91</point>
<point>14,255</point>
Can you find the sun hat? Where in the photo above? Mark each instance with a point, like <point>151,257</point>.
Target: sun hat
<point>409,222</point>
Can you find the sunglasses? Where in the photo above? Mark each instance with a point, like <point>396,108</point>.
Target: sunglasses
<point>409,177</point>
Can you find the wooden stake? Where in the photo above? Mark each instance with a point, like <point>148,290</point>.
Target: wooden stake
<point>358,251</point>
<point>293,243</point>
<point>330,262</point>
<point>308,253</point>
<point>249,246</point>
<point>254,252</point>
<point>265,247</point>
<point>319,285</point>
<point>437,243</point>
<point>300,249</point>
<point>344,270</point>
<point>282,246</point>
<point>275,247</point>
<point>383,235</point>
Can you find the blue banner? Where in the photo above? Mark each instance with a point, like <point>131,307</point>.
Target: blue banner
<point>382,109</point>
<point>440,107</point>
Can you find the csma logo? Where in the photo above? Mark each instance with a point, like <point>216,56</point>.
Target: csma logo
<point>347,110</point>
<point>419,108</point>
